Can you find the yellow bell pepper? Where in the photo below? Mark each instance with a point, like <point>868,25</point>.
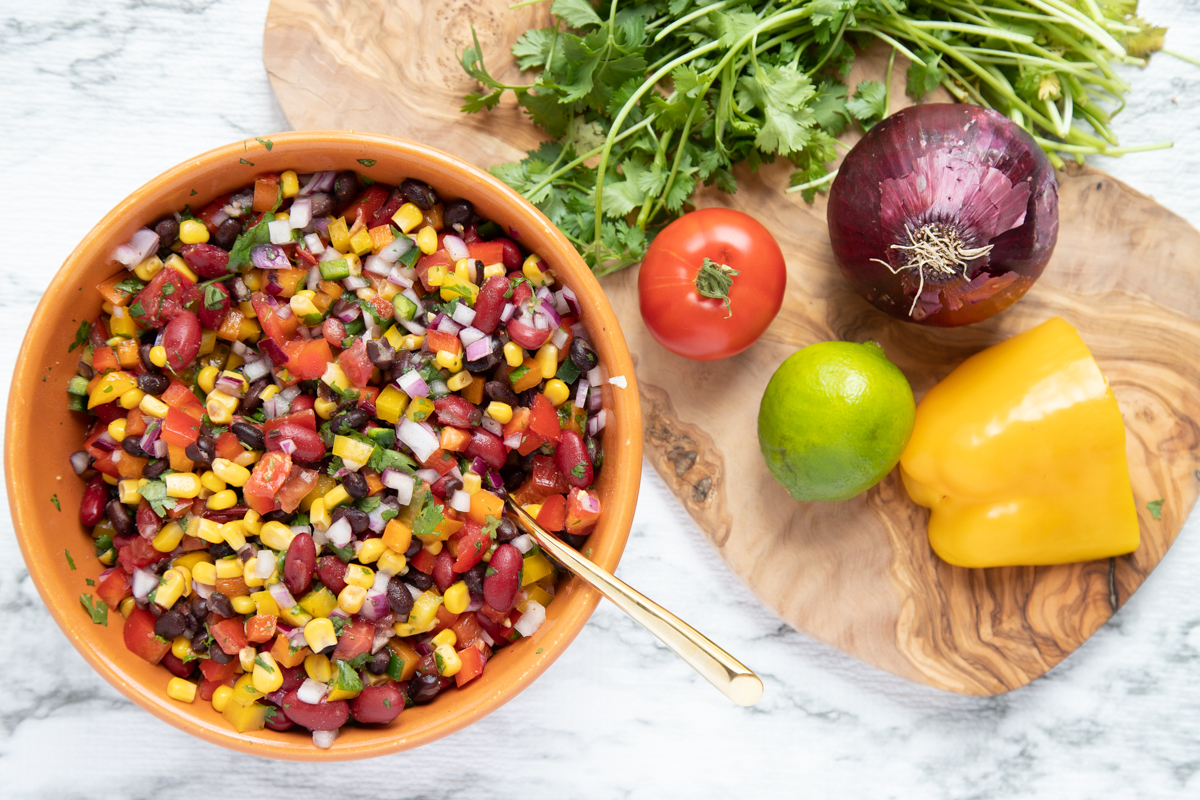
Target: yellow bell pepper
<point>1020,455</point>
<point>110,387</point>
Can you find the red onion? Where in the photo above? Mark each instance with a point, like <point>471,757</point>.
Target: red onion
<point>455,247</point>
<point>463,315</point>
<point>581,394</point>
<point>377,266</point>
<point>944,214</point>
<point>273,287</point>
<point>354,283</point>
<point>340,532</point>
<point>401,482</point>
<point>507,313</point>
<point>140,246</point>
<point>79,461</point>
<point>314,244</point>
<point>596,423</point>
<point>478,349</point>
<point>283,312</point>
<point>412,384</point>
<point>300,214</point>
<point>447,325</point>
<point>422,442</point>
<point>398,277</point>
<point>320,182</point>
<point>397,247</point>
<point>429,476</point>
<point>572,300</point>
<point>269,256</point>
<point>271,349</point>
<point>106,442</point>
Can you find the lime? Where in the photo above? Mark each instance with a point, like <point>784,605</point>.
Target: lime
<point>834,420</point>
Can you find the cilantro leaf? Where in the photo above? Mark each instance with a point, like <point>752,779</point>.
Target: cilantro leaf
<point>924,78</point>
<point>430,517</point>
<point>155,493</point>
<point>346,553</point>
<point>576,13</point>
<point>70,561</point>
<point>1155,508</point>
<point>130,286</point>
<point>366,162</point>
<point>869,103</point>
<point>245,242</point>
<point>81,335</point>
<point>98,609</point>
<point>54,499</point>
<point>346,677</point>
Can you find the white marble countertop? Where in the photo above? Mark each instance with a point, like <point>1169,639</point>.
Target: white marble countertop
<point>99,97</point>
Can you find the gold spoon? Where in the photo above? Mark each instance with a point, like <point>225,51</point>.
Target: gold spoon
<point>732,677</point>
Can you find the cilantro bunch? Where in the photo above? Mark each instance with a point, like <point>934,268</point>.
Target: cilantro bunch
<point>652,99</point>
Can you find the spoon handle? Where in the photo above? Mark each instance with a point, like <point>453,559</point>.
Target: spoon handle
<point>733,678</point>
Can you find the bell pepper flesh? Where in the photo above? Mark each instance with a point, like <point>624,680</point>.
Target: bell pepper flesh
<point>1020,456</point>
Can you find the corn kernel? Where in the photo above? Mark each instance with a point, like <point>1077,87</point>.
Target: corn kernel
<point>178,688</point>
<point>412,342</point>
<point>532,269</point>
<point>182,484</point>
<point>547,359</point>
<point>252,521</point>
<point>168,538</point>
<point>234,533</point>
<point>493,270</point>
<point>109,479</point>
<point>158,356</point>
<point>303,306</point>
<point>223,500</point>
<point>193,231</point>
<point>246,658</point>
<point>451,361</point>
<point>211,481</point>
<point>181,648</point>
<point>459,380</point>
<point>206,378</point>
<point>448,662</point>
<point>350,599</point>
<point>326,408</point>
<point>208,343</point>
<point>471,483</point>
<point>501,412</point>
<point>317,667</point>
<point>289,183</point>
<point>220,407</point>
<point>131,399</point>
<point>335,497</point>
<point>358,575</point>
<point>205,529</point>
<point>127,492</point>
<point>319,634</point>
<point>445,637</point>
<point>514,354</point>
<point>427,240</point>
<point>339,235</point>
<point>242,604</point>
<point>318,516</point>
<point>127,606</point>
<point>226,473</point>
<point>205,573</point>
<point>251,580</point>
<point>220,697</point>
<point>335,377</point>
<point>371,550</point>
<point>170,589</point>
<point>557,392</point>
<point>149,404</point>
<point>187,579</point>
<point>419,410</point>
<point>276,535</point>
<point>457,598</point>
<point>408,217</point>
<point>434,547</point>
<point>392,563</point>
<point>149,268</point>
<point>229,567</point>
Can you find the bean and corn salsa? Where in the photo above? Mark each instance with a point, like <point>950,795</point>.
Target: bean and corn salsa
<point>307,403</point>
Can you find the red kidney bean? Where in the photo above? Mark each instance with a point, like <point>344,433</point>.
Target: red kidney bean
<point>279,722</point>
<point>206,260</point>
<point>299,564</point>
<point>526,335</point>
<point>512,254</point>
<point>500,587</point>
<point>107,412</point>
<point>148,522</point>
<point>293,677</point>
<point>91,505</point>
<point>488,446</point>
<point>309,446</point>
<point>457,411</point>
<point>322,716</point>
<point>118,515</point>
<point>214,306</point>
<point>334,331</point>
<point>181,340</point>
<point>443,570</point>
<point>176,665</point>
<point>489,303</point>
<point>332,572</point>
<point>571,456</point>
<point>377,704</point>
<point>303,402</point>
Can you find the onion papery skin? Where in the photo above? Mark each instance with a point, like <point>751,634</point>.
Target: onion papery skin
<point>989,171</point>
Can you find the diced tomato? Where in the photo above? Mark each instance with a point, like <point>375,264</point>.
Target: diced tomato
<point>472,544</point>
<point>487,252</point>
<point>423,561</point>
<point>219,672</point>
<point>280,330</point>
<point>179,396</point>
<point>229,635</point>
<point>307,360</point>
<point>441,461</point>
<point>440,341</point>
<point>140,639</point>
<point>466,629</point>
<point>436,259</point>
<point>155,304</point>
<point>307,418</point>
<point>180,429</point>
<point>356,639</point>
<point>553,513</point>
<point>260,628</point>
<point>268,477</point>
<point>579,519</point>
<point>472,665</point>
<point>137,552</point>
<point>355,364</point>
<point>366,205</point>
<point>299,483</point>
<point>367,396</point>
<point>208,212</point>
<point>494,628</point>
<point>228,446</point>
<point>546,477</point>
<point>304,402</point>
<point>543,419</point>
<point>388,210</point>
<point>113,589</point>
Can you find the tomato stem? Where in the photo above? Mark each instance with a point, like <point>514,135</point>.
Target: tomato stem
<point>715,280</point>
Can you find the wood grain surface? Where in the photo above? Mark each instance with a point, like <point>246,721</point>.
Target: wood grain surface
<point>859,574</point>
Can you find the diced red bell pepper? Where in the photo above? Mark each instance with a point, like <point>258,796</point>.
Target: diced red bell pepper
<point>423,561</point>
<point>228,446</point>
<point>355,364</point>
<point>487,252</point>
<point>367,395</point>
<point>269,475</point>
<point>543,419</point>
<point>260,628</point>
<point>366,205</point>
<point>229,635</point>
<point>307,360</point>
<point>104,359</point>
<point>180,429</point>
<point>280,330</point>
<point>219,672</point>
<point>473,542</point>
<point>181,397</point>
<point>472,665</point>
<point>140,639</point>
<point>440,341</point>
<point>553,513</point>
<point>355,640</point>
<point>440,460</point>
<point>207,213</point>
<point>113,589</point>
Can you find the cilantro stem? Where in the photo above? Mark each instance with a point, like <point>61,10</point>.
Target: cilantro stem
<point>686,18</point>
<point>824,179</point>
<point>1182,57</point>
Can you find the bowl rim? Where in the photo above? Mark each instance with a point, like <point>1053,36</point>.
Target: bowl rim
<point>127,215</point>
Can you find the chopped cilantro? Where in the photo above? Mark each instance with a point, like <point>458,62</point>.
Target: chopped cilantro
<point>89,581</point>
<point>1155,507</point>
<point>81,335</point>
<point>214,298</point>
<point>491,524</point>
<point>54,499</point>
<point>70,561</point>
<point>260,662</point>
<point>98,609</point>
<point>155,493</point>
<point>344,553</point>
<point>240,253</point>
<point>136,310</point>
<point>194,193</point>
<point>168,289</point>
<point>267,143</point>
<point>347,676</point>
<point>382,458</point>
<point>368,504</point>
<point>365,180</point>
<point>339,625</point>
<point>244,161</point>
<point>579,470</point>
<point>366,162</point>
<point>539,651</point>
<point>387,703</point>
<point>130,286</point>
<point>515,376</point>
<point>430,517</point>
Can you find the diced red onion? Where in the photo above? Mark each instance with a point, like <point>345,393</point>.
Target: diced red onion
<point>594,376</point>
<point>383,626</point>
<point>544,293</point>
<point>144,582</point>
<point>560,304</point>
<point>280,594</point>
<point>581,393</point>
<point>320,182</point>
<point>311,692</point>
<point>271,349</point>
<point>460,501</point>
<point>330,254</point>
<point>595,400</point>
<point>397,276</point>
<point>314,278</point>
<point>268,408</point>
<point>354,283</point>
<point>337,612</point>
<point>495,480</point>
<point>397,247</point>
<point>273,287</point>
<point>463,315</point>
<point>596,423</point>
<point>588,501</point>
<point>375,520</point>
<point>559,338</point>
<point>203,590</point>
<point>314,244</point>
<point>253,370</point>
<point>264,566</point>
<point>284,312</point>
<point>140,246</point>
<point>219,218</point>
<point>447,325</point>
<point>455,247</point>
<point>422,442</point>
<point>150,436</point>
<point>413,384</point>
<point>514,441</point>
<point>79,461</point>
<point>299,529</point>
<point>290,393</point>
<point>428,475</point>
<point>412,326</point>
<point>234,387</point>
<point>572,301</point>
<point>401,482</point>
<point>540,322</point>
<point>524,542</point>
<point>340,532</point>
<point>106,442</point>
<point>269,256</point>
<point>280,231</point>
<point>377,266</point>
<point>551,315</point>
<point>300,214</point>
<point>240,349</point>
<point>531,618</point>
<point>470,335</point>
<point>374,605</point>
<point>160,449</point>
<point>487,638</point>
<point>507,313</point>
<point>491,426</point>
<point>240,291</point>
<point>479,349</point>
<point>323,740</point>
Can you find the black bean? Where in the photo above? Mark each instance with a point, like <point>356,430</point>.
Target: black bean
<point>253,398</point>
<point>507,530</point>
<point>155,468</point>
<point>118,515</point>
<point>474,578</point>
<point>414,547</point>
<point>451,486</point>
<point>218,603</point>
<point>203,449</point>
<point>583,356</point>
<point>85,370</point>
<point>488,362</point>
<point>501,392</point>
<point>345,187</point>
<point>382,353</point>
<point>322,204</point>
<point>218,655</point>
<point>170,624</point>
<point>418,193</point>
<point>153,382</point>
<point>424,688</point>
<point>513,477</point>
<point>527,398</point>
<point>594,451</point>
<point>419,579</point>
<point>144,357</point>
<point>199,645</point>
<point>130,445</point>
<point>400,600</point>
<point>227,233</point>
<point>248,435</point>
<point>378,663</point>
<point>358,519</point>
<point>356,485</point>
<point>279,516</point>
<point>220,550</point>
<point>340,306</point>
<point>350,421</point>
<point>574,539</point>
<point>167,230</point>
<point>198,606</point>
<point>457,214</point>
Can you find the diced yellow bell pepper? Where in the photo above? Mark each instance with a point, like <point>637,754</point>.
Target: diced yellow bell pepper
<point>535,567</point>
<point>319,603</point>
<point>110,387</point>
<point>339,235</point>
<point>352,449</point>
<point>390,404</point>
<point>243,718</point>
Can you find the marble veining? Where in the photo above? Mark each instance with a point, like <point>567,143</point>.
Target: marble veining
<point>99,97</point>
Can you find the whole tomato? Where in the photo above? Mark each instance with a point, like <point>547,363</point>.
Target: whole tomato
<point>711,283</point>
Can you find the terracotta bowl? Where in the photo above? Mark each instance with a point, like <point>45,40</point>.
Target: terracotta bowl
<point>41,434</point>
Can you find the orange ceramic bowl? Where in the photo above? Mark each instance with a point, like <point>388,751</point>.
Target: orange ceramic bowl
<point>41,434</point>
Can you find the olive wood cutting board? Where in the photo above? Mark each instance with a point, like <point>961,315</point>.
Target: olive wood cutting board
<point>859,574</point>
